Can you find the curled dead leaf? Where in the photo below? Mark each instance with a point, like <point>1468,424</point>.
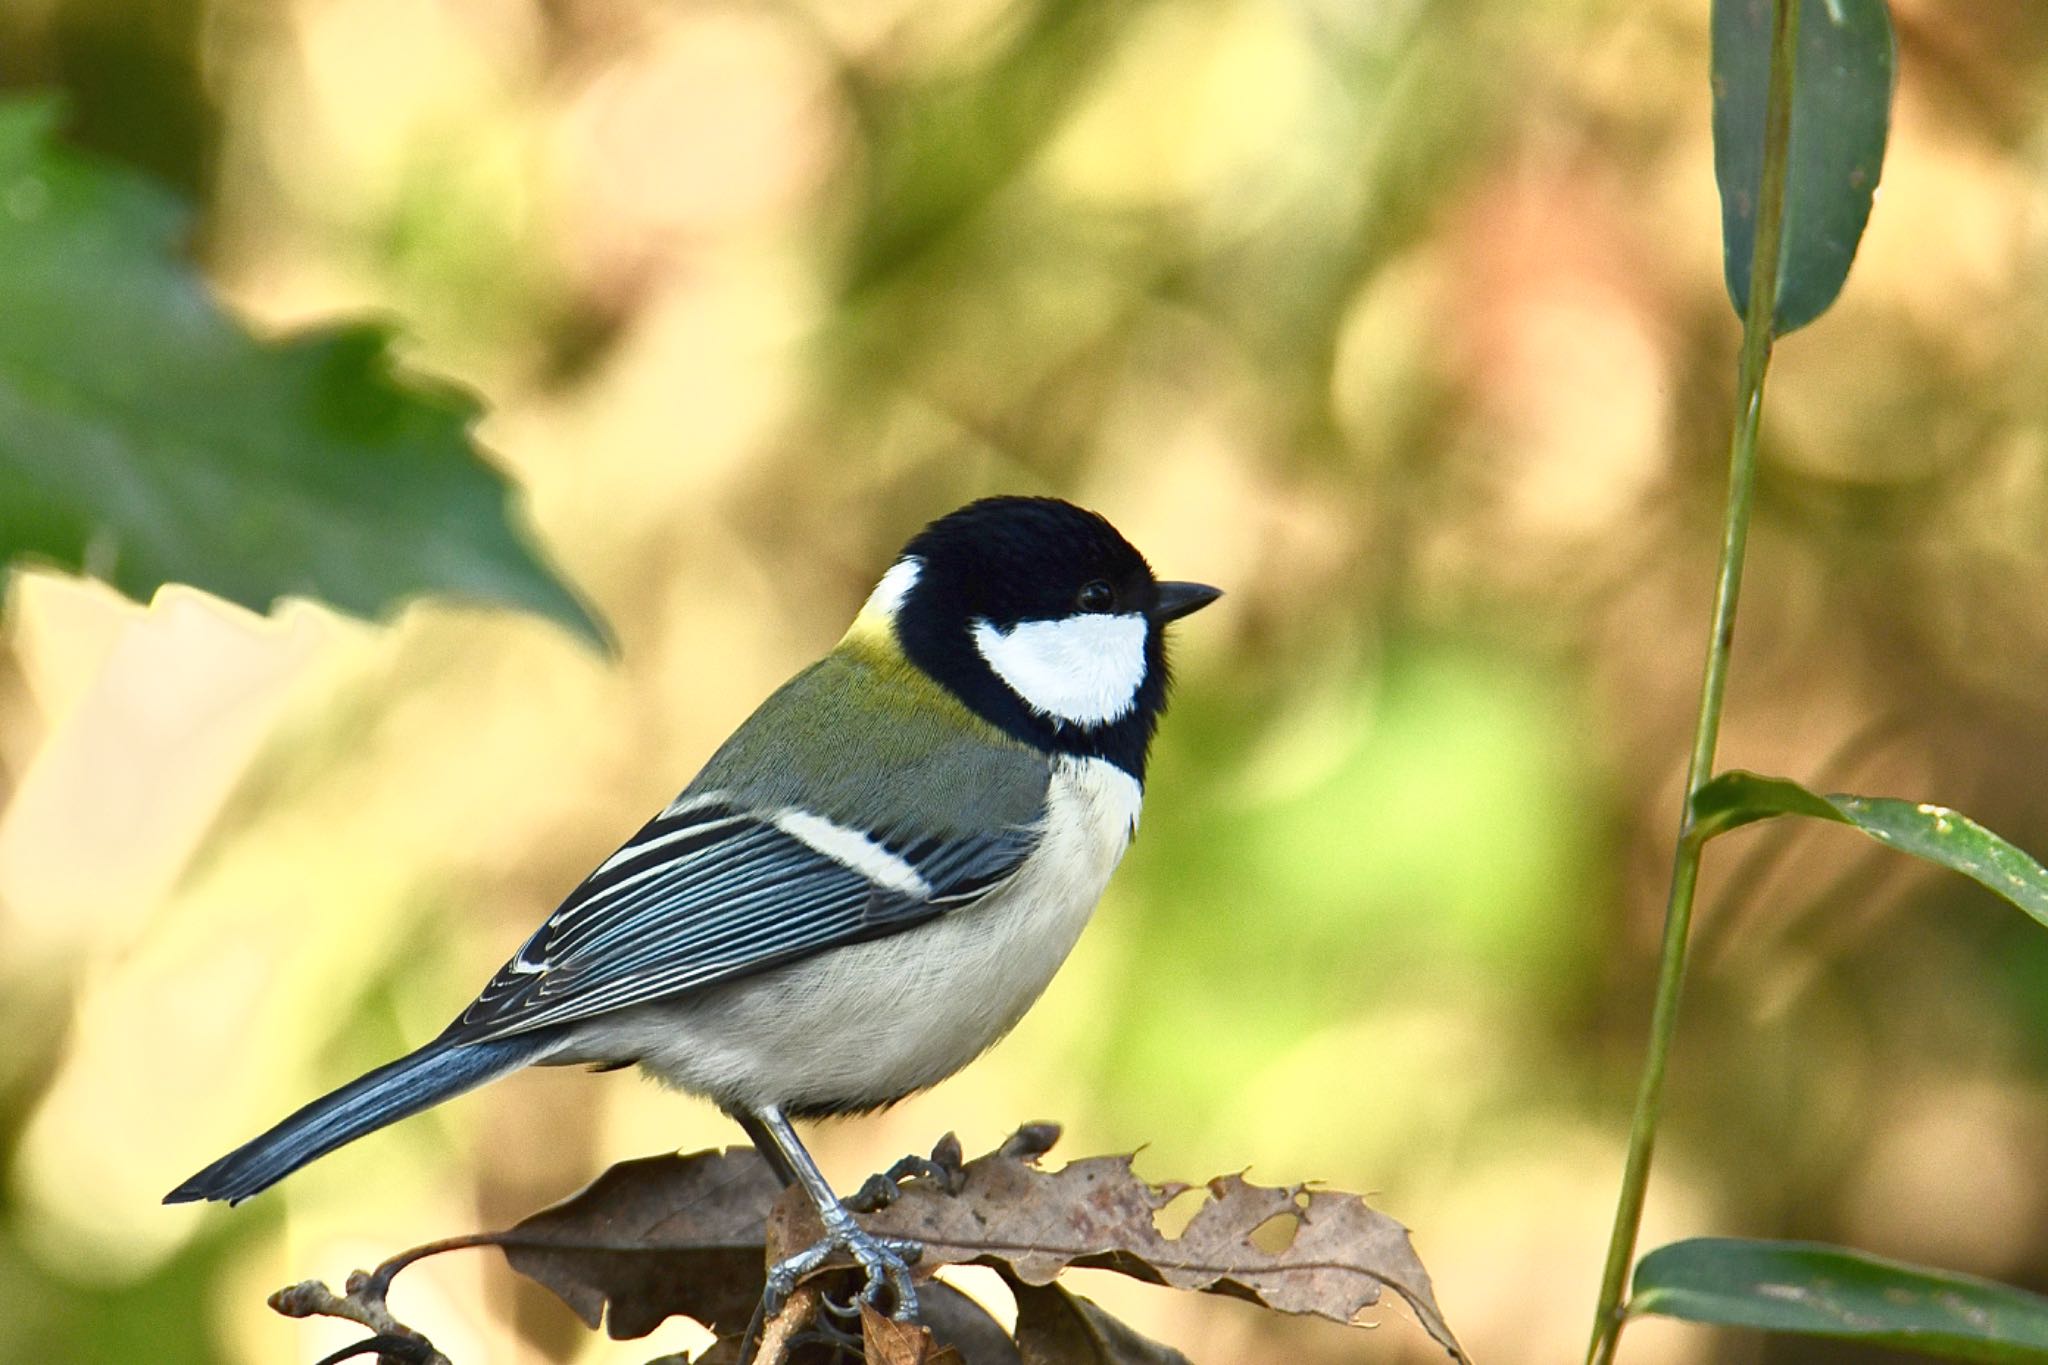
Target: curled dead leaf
<point>889,1342</point>
<point>653,1238</point>
<point>1097,1212</point>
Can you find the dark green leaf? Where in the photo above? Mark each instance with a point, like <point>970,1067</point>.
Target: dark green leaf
<point>1833,1292</point>
<point>1936,833</point>
<point>1954,840</point>
<point>1738,798</point>
<point>1841,112</point>
<point>145,438</point>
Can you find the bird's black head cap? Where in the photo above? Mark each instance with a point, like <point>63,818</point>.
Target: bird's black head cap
<point>1045,621</point>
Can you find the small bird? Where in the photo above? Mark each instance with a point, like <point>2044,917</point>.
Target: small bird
<point>868,884</point>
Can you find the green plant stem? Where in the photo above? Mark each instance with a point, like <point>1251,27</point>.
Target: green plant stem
<point>1757,335</point>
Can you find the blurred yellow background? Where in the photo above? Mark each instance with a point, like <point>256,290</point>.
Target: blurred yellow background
<point>1400,320</point>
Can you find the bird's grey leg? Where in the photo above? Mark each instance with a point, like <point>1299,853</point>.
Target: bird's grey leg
<point>886,1260</point>
<point>764,1143</point>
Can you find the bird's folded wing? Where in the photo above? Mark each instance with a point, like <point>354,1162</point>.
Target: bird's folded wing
<point>712,890</point>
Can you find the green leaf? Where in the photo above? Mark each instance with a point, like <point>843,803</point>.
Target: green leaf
<point>1841,113</point>
<point>1936,833</point>
<point>1830,1291</point>
<point>146,438</point>
<point>1738,798</point>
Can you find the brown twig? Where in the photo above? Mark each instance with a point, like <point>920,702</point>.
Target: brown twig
<point>394,1342</point>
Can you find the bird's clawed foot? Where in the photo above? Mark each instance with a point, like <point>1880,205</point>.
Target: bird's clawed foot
<point>944,1168</point>
<point>885,1260</point>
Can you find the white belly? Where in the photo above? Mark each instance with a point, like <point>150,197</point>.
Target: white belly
<point>859,1026</point>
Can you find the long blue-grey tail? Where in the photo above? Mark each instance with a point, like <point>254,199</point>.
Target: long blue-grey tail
<point>416,1081</point>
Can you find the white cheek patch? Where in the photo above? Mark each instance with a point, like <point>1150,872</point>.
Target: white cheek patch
<point>1085,670</point>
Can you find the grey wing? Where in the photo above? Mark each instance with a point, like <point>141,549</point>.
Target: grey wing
<point>711,891</point>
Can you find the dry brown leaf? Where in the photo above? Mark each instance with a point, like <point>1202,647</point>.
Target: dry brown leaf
<point>654,1238</point>
<point>1055,1327</point>
<point>673,1235</point>
<point>955,1331</point>
<point>890,1342</point>
<point>1097,1212</point>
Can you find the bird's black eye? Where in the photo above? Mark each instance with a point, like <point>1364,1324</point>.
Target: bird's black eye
<point>1095,596</point>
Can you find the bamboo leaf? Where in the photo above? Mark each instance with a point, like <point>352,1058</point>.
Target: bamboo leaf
<point>1928,831</point>
<point>1828,1291</point>
<point>1841,114</point>
<point>1738,798</point>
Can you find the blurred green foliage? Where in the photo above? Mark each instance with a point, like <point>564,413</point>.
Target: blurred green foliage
<point>145,437</point>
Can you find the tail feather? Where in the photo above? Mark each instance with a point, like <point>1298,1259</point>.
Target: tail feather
<point>419,1080</point>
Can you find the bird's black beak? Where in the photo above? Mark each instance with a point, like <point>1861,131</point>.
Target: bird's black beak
<point>1179,599</point>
